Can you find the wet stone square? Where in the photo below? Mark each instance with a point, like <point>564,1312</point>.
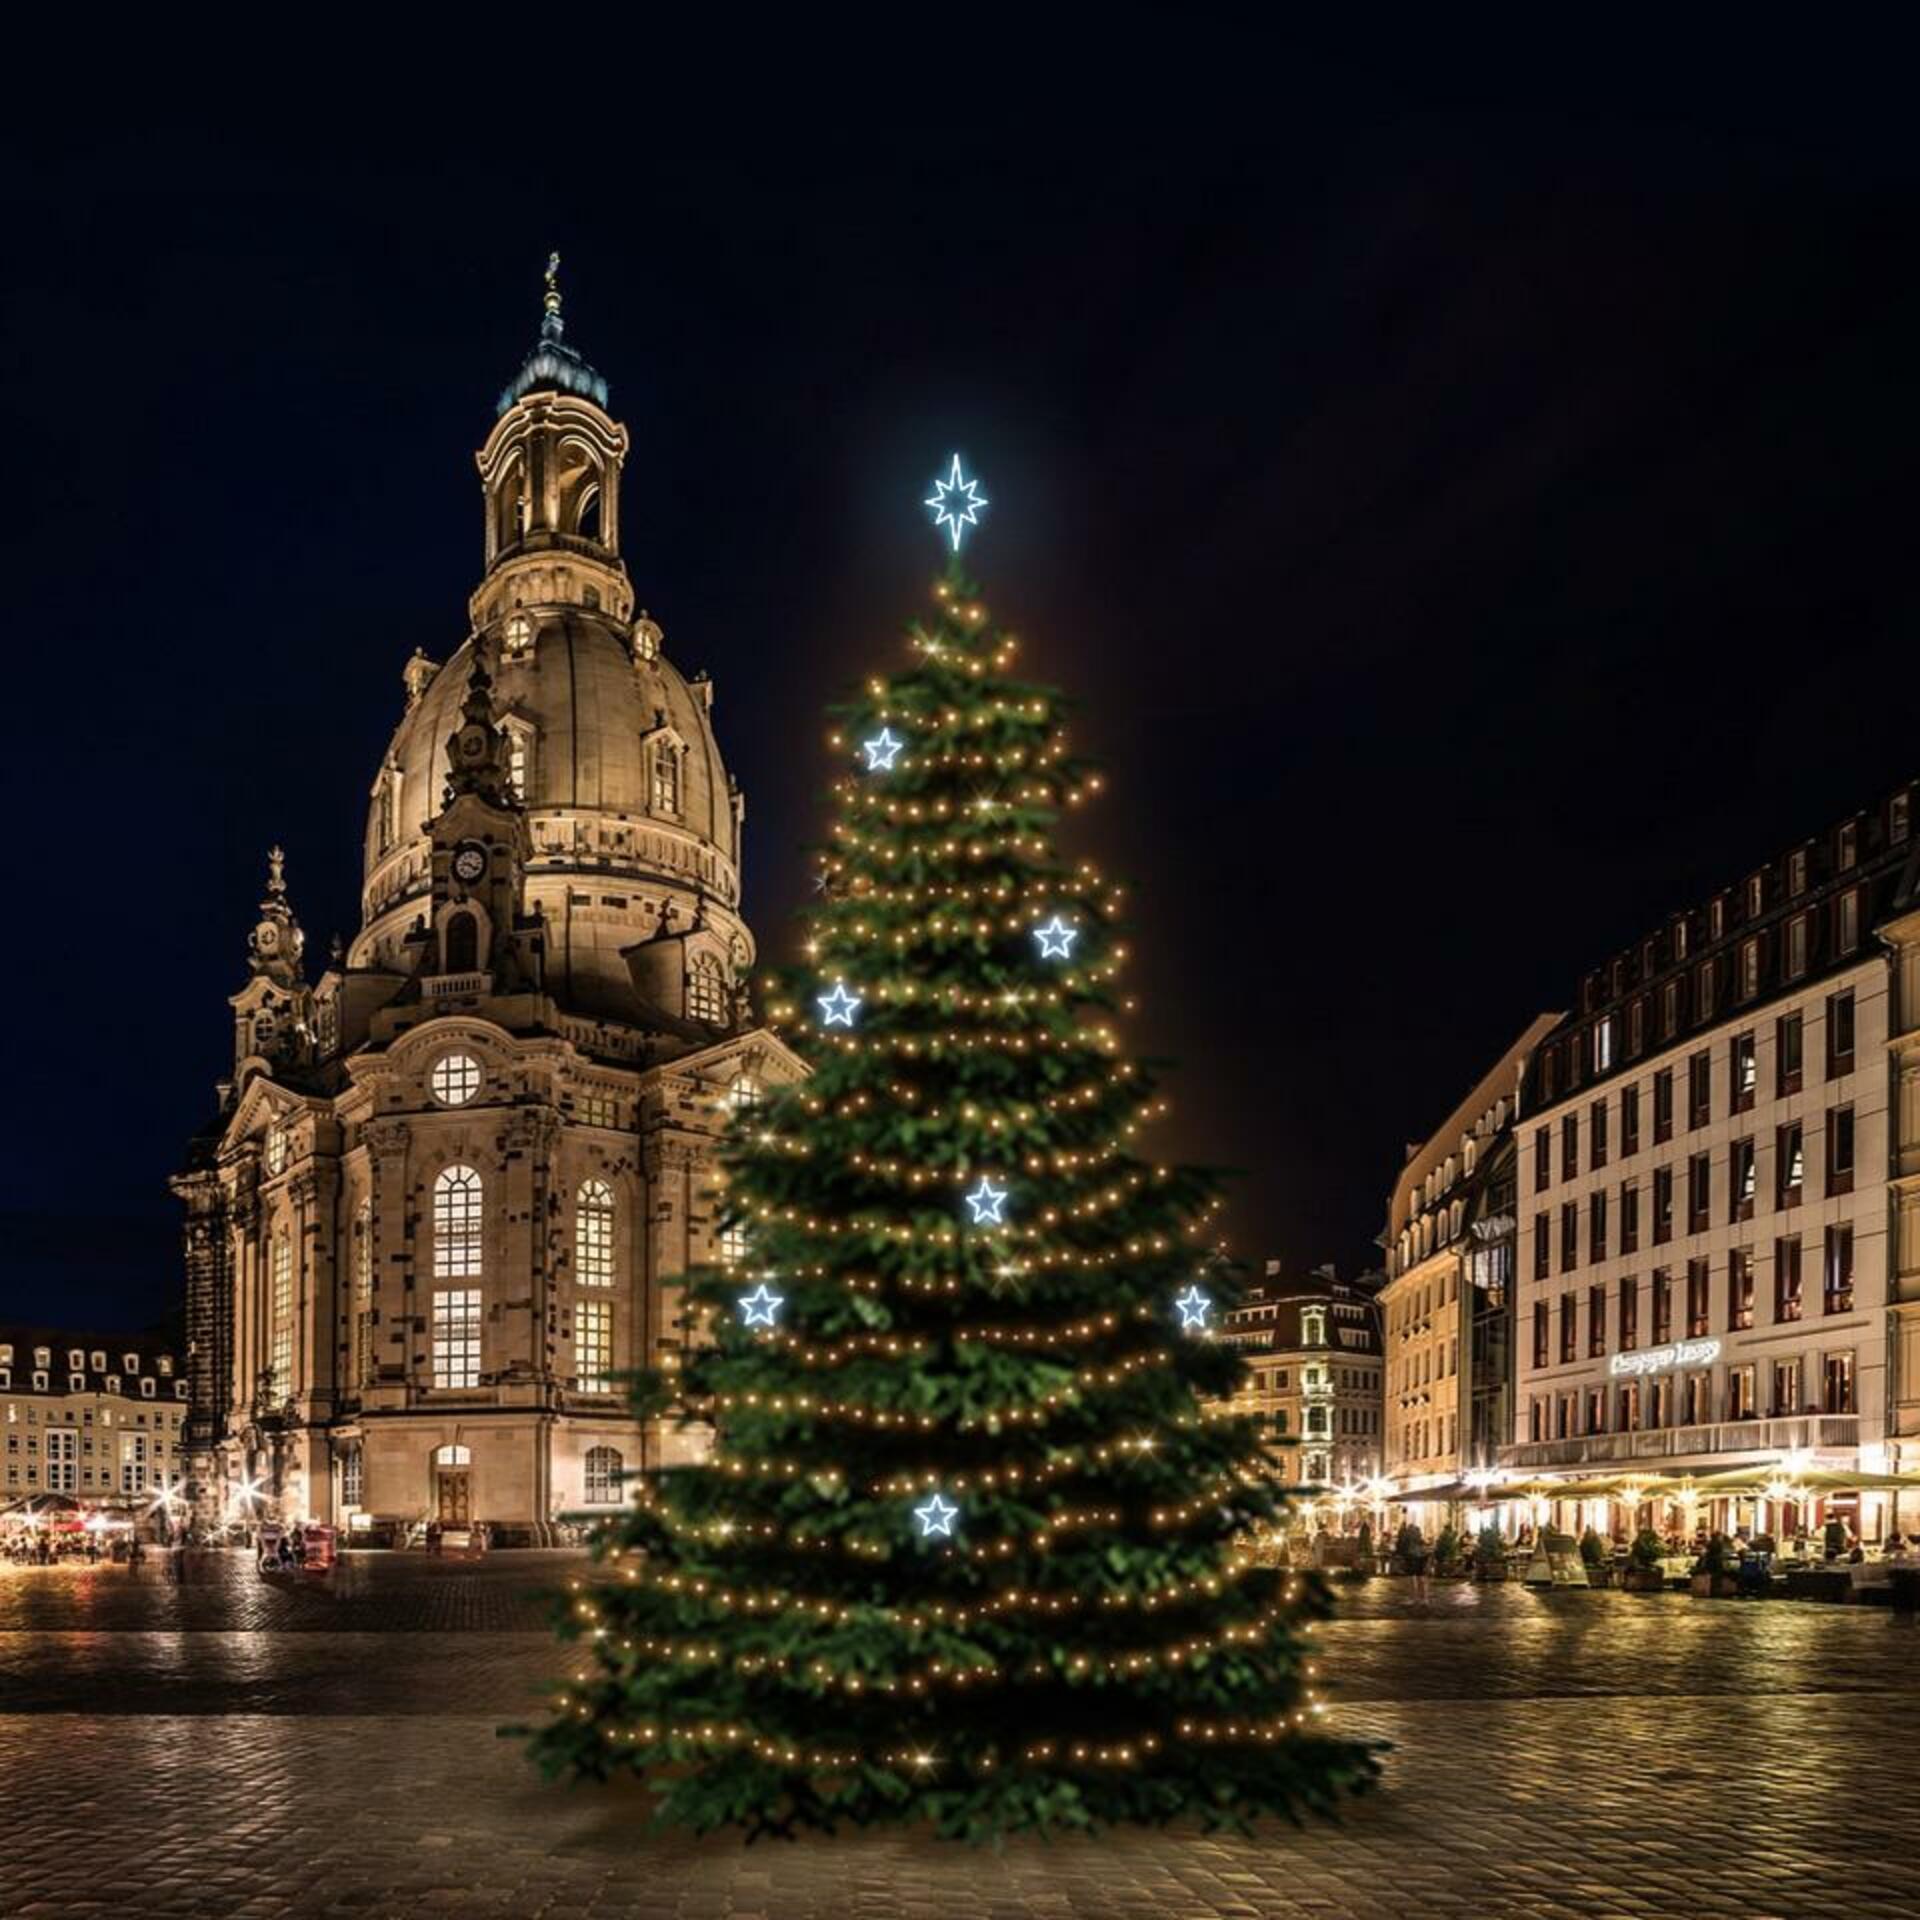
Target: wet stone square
<point>237,1746</point>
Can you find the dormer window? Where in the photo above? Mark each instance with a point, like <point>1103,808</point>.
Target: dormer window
<point>1756,896</point>
<point>1797,870</point>
<point>1717,917</point>
<point>129,1363</point>
<point>1679,939</point>
<point>146,1386</point>
<point>43,1356</point>
<point>1899,817</point>
<point>666,775</point>
<point>1848,848</point>
<point>76,1357</point>
<point>99,1361</point>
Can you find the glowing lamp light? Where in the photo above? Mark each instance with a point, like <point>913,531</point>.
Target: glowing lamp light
<point>956,502</point>
<point>1193,1307</point>
<point>838,1007</point>
<point>936,1517</point>
<point>987,1200</point>
<point>882,750</point>
<point>1056,939</point>
<point>758,1308</point>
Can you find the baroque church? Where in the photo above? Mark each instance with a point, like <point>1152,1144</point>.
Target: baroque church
<point>451,1183</point>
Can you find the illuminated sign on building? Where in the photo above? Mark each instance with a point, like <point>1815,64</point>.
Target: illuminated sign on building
<point>1682,1353</point>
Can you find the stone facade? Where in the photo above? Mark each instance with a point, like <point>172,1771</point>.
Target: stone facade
<point>1718,1161</point>
<point>450,1185</point>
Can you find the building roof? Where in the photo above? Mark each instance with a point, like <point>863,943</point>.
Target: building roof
<point>553,364</point>
<point>153,1356</point>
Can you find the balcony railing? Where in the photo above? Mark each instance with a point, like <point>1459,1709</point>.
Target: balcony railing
<point>1673,1443</point>
<point>457,986</point>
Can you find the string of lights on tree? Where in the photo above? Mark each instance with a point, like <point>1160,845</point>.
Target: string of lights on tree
<point>970,1537</point>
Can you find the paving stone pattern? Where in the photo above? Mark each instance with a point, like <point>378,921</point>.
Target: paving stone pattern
<point>245,1747</point>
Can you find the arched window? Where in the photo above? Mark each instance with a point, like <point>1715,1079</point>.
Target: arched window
<point>363,1369</point>
<point>706,991</point>
<point>593,1234</point>
<point>462,943</point>
<point>587,515</point>
<point>456,1225</point>
<point>453,1456</point>
<point>666,777</point>
<point>604,1466</point>
<point>734,1243</point>
<point>383,811</point>
<point>517,635</point>
<point>743,1093</point>
<point>519,760</point>
<point>280,1357</point>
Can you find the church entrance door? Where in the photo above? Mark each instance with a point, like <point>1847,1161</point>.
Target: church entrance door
<point>456,1504</point>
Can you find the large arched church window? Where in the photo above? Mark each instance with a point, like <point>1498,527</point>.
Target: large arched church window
<point>280,1358</point>
<point>593,1234</point>
<point>462,943</point>
<point>457,1225</point>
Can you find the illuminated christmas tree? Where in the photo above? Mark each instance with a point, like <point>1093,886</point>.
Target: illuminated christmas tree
<point>968,1548</point>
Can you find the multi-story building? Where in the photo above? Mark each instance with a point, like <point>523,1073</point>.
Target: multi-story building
<point>1447,1307</point>
<point>450,1186</point>
<point>99,1417</point>
<point>1313,1356</point>
<point>1714,1147</point>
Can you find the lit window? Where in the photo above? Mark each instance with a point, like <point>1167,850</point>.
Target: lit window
<point>733,1243</point>
<point>519,760</point>
<point>706,991</point>
<point>518,636</point>
<point>281,1360</point>
<point>61,1459</point>
<point>743,1095</point>
<point>363,1360</point>
<point>593,1345</point>
<point>593,1234</point>
<point>456,1337</point>
<point>604,1466</point>
<point>455,1079</point>
<point>456,1225</point>
<point>666,777</point>
<point>146,1386</point>
<point>276,1149</point>
<point>384,808</point>
<point>351,1481</point>
<point>597,1110</point>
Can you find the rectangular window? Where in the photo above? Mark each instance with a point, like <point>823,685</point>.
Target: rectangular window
<point>1788,1038</point>
<point>1597,1136</point>
<point>1629,1405</point>
<point>1743,1071</point>
<point>1596,1409</point>
<point>456,1337</point>
<point>1839,1034</point>
<point>1597,1224</point>
<point>1697,1407</point>
<point>1699,1090</point>
<point>1569,1236</point>
<point>1663,1105</point>
<point>1662,1205</point>
<point>1670,1009</point>
<point>1596,1322</point>
<point>352,1482</point>
<point>1740,1402</point>
<point>1629,1122</point>
<point>1789,1165</point>
<point>61,1460</point>
<point>1743,1172</point>
<point>1839,1271</point>
<point>1569,1328</point>
<point>1839,1149</point>
<point>1699,1300</point>
<point>1846,922</point>
<point>1636,1029</point>
<point>1629,1312</point>
<point>1786,1388</point>
<point>1662,1306</point>
<point>133,1463</point>
<point>1739,1289</point>
<point>1786,1280</point>
<point>1705,989</point>
<point>1539,1333</point>
<point>1838,1395</point>
<point>1536,1420</point>
<point>1749,968</point>
<point>1542,1246</point>
<point>1569,1145</point>
<point>1629,1216</point>
<point>1796,946</point>
<point>1699,1192</point>
<point>1542,1159</point>
<point>593,1345</point>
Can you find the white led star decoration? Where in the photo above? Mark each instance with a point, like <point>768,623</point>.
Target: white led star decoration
<point>956,502</point>
<point>1056,939</point>
<point>882,751</point>
<point>986,1200</point>
<point>1194,1306</point>
<point>838,1007</point>
<point>758,1308</point>
<point>937,1517</point>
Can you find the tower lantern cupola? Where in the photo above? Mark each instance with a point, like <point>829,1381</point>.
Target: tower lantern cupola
<point>550,476</point>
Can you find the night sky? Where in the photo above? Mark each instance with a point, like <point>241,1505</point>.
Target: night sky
<point>1471,531</point>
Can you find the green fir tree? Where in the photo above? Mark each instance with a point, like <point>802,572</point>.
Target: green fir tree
<point>970,1547</point>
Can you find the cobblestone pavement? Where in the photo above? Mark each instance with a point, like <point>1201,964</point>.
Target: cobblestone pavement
<point>246,1747</point>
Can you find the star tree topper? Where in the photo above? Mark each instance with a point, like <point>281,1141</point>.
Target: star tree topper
<point>956,502</point>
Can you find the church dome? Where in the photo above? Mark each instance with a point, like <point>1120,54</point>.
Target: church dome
<point>633,823</point>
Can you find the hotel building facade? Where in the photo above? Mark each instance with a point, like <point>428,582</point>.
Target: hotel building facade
<point>1719,1182</point>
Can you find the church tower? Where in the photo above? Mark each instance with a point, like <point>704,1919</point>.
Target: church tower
<point>450,1184</point>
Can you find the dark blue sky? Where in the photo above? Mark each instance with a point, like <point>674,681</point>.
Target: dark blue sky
<point>1473,509</point>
